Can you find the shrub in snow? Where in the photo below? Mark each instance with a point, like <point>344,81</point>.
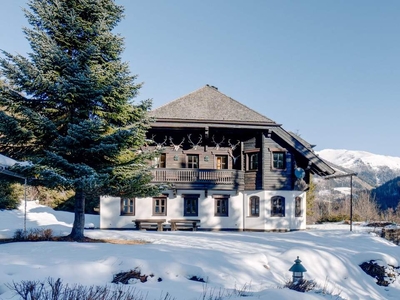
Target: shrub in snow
<point>33,234</point>
<point>195,278</point>
<point>131,276</point>
<point>56,290</point>
<point>384,275</point>
<point>301,285</point>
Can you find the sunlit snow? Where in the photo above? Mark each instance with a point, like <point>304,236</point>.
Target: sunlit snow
<point>255,261</point>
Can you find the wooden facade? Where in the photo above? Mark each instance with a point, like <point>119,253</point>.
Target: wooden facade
<point>212,146</point>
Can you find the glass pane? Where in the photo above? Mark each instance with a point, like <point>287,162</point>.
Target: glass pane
<point>222,162</point>
<point>279,160</point>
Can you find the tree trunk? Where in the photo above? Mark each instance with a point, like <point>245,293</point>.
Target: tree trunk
<point>77,233</point>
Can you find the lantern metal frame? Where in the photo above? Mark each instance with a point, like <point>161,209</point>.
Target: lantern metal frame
<point>298,270</point>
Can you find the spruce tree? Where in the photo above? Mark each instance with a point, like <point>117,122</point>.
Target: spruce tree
<point>68,106</point>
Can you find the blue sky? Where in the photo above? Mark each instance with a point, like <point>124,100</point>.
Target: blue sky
<point>328,70</point>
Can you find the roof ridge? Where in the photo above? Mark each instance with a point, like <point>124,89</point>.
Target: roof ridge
<point>209,107</point>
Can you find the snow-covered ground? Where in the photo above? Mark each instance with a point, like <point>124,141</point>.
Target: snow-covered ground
<point>255,262</point>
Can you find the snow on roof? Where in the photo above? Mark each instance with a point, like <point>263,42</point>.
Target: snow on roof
<point>6,161</point>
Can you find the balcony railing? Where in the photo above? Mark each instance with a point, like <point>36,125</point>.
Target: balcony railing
<point>199,176</point>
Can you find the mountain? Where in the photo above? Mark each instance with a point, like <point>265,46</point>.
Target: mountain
<point>378,173</point>
<point>374,169</point>
<point>388,194</point>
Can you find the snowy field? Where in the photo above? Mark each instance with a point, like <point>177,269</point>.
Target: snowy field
<point>256,263</point>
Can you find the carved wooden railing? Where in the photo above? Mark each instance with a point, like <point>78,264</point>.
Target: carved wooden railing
<point>198,176</point>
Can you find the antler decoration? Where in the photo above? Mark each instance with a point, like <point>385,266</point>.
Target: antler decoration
<point>194,145</point>
<point>176,147</point>
<point>217,145</point>
<point>233,147</point>
<point>159,145</point>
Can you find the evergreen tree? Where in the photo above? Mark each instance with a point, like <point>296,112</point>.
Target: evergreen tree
<point>10,193</point>
<point>68,108</point>
<point>310,196</point>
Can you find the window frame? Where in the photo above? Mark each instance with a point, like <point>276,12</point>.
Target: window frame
<point>252,158</point>
<point>132,206</point>
<point>278,209</point>
<point>222,202</point>
<point>276,161</point>
<point>160,206</point>
<point>191,198</point>
<point>189,163</point>
<point>298,209</point>
<point>253,161</point>
<point>224,161</point>
<point>254,206</point>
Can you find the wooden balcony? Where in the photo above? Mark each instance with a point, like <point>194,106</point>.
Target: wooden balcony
<point>200,178</point>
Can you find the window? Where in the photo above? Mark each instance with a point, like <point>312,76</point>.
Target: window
<point>298,212</point>
<point>128,206</point>
<point>222,162</point>
<point>193,161</point>
<point>279,161</point>
<point>159,161</point>
<point>159,206</point>
<point>191,205</point>
<point>253,161</point>
<point>254,206</point>
<point>278,206</point>
<point>221,205</point>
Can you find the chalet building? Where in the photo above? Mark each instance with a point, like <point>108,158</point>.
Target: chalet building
<point>227,169</point>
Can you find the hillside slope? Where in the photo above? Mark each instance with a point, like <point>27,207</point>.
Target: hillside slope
<point>381,174</point>
<point>375,169</point>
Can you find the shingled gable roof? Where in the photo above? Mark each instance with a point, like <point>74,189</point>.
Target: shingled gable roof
<point>209,104</point>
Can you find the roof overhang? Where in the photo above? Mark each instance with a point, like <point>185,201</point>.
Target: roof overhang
<point>7,162</point>
<point>183,123</point>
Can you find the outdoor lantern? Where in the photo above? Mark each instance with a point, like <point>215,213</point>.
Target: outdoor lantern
<point>297,270</point>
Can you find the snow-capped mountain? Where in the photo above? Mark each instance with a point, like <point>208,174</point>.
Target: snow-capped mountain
<point>375,169</point>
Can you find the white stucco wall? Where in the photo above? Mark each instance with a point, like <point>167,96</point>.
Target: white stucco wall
<point>265,221</point>
<point>238,218</point>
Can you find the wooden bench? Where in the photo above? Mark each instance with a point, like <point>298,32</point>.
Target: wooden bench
<point>184,224</point>
<point>146,223</point>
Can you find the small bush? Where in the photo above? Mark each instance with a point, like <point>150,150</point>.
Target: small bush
<point>301,285</point>
<point>19,235</point>
<point>338,218</point>
<point>126,277</point>
<point>56,290</point>
<point>33,234</point>
<point>310,285</point>
<point>10,193</point>
<point>47,234</point>
<point>221,294</point>
<point>195,278</point>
